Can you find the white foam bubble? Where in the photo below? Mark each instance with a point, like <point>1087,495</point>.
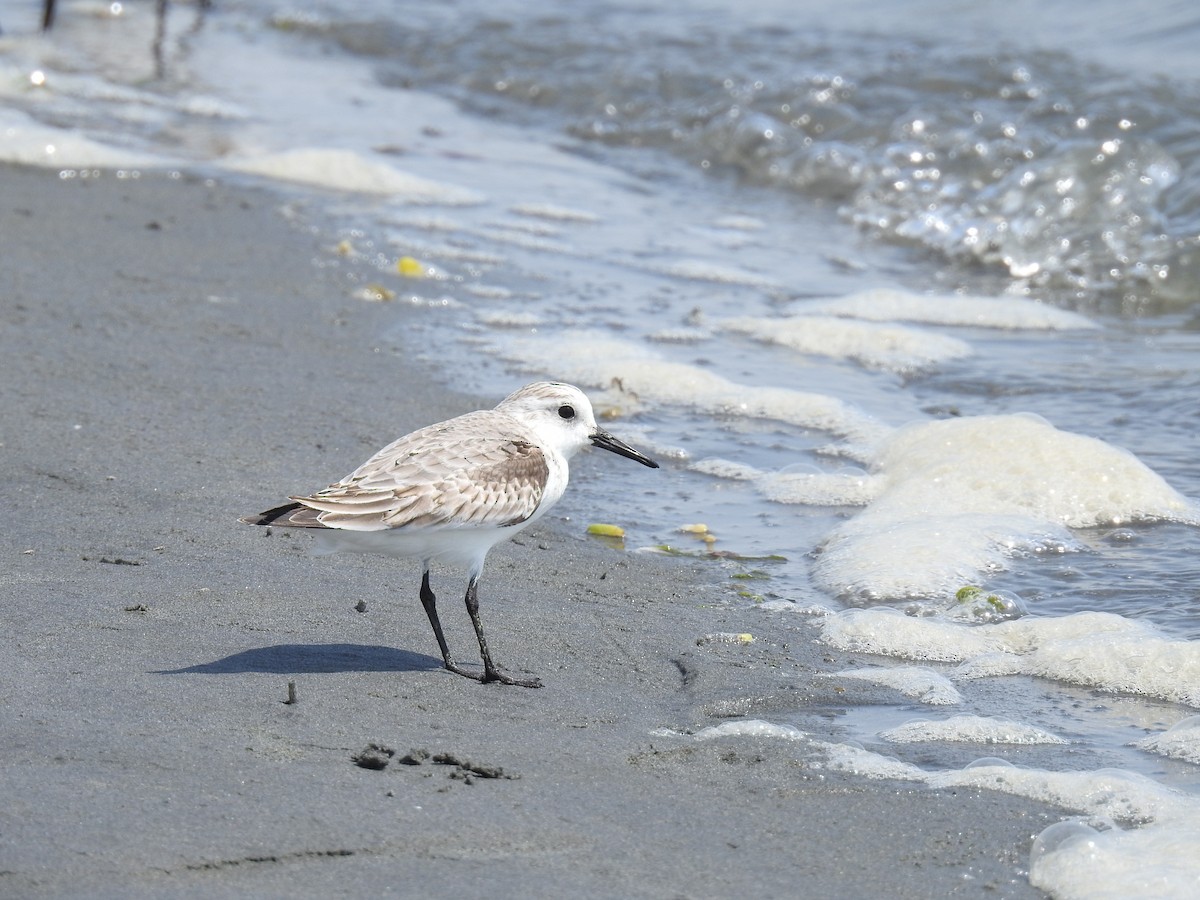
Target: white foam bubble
<point>1151,852</point>
<point>679,335</point>
<point>961,496</point>
<point>1158,861</point>
<point>1180,741</point>
<point>509,319</point>
<point>1155,859</point>
<point>886,304</point>
<point>1112,793</point>
<point>750,728</point>
<point>520,237</point>
<point>969,729</point>
<point>889,632</point>
<point>706,270</point>
<point>1092,649</point>
<point>847,488</point>
<point>598,360</point>
<point>919,682</point>
<point>895,348</point>
<point>423,221</point>
<point>488,291</point>
<point>791,606</point>
<point>726,468</point>
<point>740,223</point>
<point>875,557</point>
<point>448,251</point>
<point>857,761</point>
<point>799,484</point>
<point>536,228</point>
<point>1023,464</point>
<point>1098,650</point>
<point>349,170</point>
<point>26,142</point>
<point>555,213</point>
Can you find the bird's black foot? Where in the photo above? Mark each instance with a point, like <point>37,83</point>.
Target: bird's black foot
<point>490,675</point>
<point>497,675</point>
<point>465,673</point>
<point>490,672</point>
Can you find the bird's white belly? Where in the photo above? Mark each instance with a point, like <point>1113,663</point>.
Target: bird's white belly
<point>446,546</point>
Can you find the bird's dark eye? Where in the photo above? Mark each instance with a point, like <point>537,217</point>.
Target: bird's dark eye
<point>566,412</point>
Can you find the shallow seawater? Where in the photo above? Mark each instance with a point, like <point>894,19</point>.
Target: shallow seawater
<point>901,314</point>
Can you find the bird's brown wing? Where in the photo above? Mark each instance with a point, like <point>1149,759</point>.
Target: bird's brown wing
<point>478,469</point>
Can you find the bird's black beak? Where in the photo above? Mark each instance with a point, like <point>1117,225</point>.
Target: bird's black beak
<point>608,442</point>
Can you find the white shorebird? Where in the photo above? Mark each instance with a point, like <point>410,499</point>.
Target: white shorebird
<point>449,492</point>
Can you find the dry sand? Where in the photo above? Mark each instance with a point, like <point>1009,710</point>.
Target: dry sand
<point>173,358</point>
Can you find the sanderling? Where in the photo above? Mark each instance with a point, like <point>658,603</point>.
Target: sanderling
<point>449,492</point>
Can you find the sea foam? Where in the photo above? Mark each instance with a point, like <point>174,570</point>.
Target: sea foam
<point>1150,853</point>
<point>1180,741</point>
<point>349,170</point>
<point>1137,839</point>
<point>876,345</point>
<point>959,497</point>
<point>889,304</point>
<point>1093,649</point>
<point>918,682</point>
<point>598,360</point>
<point>969,729</point>
<point>26,142</point>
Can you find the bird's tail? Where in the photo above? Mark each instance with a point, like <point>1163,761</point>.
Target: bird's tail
<point>290,515</point>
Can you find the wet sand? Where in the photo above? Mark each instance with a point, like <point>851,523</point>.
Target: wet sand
<point>174,357</point>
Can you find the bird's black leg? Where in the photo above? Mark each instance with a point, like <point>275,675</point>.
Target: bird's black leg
<point>429,601</point>
<point>490,672</point>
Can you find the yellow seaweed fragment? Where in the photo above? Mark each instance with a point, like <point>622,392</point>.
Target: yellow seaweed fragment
<point>700,530</point>
<point>614,531</point>
<point>410,268</point>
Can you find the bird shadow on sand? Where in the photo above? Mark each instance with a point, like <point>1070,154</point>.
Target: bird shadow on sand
<point>296,659</point>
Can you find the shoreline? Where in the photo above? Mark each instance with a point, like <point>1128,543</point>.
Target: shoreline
<point>176,359</point>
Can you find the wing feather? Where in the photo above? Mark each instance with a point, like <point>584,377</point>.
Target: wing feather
<point>478,469</point>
